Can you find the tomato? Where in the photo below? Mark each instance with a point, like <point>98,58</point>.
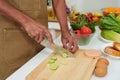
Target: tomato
<point>77,31</point>
<point>77,34</point>
<point>85,30</point>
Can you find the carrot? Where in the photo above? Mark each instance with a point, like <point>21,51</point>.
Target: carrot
<point>111,10</point>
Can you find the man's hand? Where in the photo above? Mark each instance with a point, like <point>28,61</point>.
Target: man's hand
<point>34,29</point>
<point>68,42</point>
<point>37,31</point>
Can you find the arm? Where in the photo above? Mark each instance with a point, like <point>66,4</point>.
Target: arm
<point>9,11</point>
<point>60,10</point>
<point>34,30</point>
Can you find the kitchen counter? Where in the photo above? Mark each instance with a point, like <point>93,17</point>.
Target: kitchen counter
<point>96,43</point>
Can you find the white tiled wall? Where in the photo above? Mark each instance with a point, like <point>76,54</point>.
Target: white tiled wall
<point>92,5</point>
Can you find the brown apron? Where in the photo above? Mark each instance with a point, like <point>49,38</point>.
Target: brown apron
<point>16,47</point>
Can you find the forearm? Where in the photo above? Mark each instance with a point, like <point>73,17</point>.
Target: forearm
<point>60,11</point>
<point>9,11</point>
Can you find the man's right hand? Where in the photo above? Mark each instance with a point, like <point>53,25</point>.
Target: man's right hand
<point>34,29</point>
<point>37,31</point>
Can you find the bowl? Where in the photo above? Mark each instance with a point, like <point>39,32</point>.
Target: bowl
<point>81,39</point>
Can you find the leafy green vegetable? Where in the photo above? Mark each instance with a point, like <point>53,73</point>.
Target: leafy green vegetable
<point>80,22</point>
<point>75,26</point>
<point>118,18</point>
<point>92,26</point>
<point>110,22</point>
<point>110,35</point>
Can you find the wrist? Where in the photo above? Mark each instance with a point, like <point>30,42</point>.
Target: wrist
<point>65,29</point>
<point>65,32</point>
<point>24,20</point>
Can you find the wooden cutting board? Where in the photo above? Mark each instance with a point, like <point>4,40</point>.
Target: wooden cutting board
<point>79,68</point>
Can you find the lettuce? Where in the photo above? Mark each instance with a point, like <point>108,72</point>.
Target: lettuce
<point>110,22</point>
<point>107,35</point>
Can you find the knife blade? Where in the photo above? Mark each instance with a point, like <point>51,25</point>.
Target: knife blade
<point>56,48</point>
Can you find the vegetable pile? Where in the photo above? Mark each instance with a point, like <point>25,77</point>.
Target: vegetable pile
<point>83,24</point>
<point>110,24</point>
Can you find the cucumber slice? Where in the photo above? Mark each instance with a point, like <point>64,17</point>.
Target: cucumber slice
<point>64,55</point>
<point>54,66</point>
<point>54,58</point>
<point>64,63</point>
<point>51,61</point>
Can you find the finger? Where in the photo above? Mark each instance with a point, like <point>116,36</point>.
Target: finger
<point>31,35</point>
<point>35,35</point>
<point>75,47</point>
<point>40,38</point>
<point>65,43</point>
<point>36,38</point>
<point>49,36</point>
<point>69,46</point>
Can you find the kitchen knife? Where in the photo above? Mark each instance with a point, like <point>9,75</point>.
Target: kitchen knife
<point>56,48</point>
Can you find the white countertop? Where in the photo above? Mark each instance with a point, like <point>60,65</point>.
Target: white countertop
<point>55,25</point>
<point>96,43</point>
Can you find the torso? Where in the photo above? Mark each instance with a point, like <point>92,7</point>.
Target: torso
<point>16,47</point>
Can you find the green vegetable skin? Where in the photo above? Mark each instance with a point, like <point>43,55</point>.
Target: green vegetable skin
<point>110,35</point>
